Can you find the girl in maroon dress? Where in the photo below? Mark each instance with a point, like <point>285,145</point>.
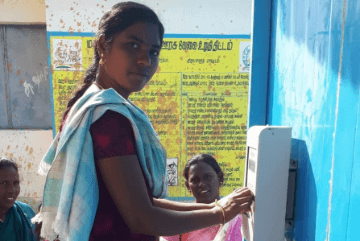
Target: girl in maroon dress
<point>126,56</point>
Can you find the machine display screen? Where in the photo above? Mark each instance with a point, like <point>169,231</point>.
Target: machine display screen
<point>251,161</point>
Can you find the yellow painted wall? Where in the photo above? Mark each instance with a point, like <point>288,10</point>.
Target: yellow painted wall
<point>22,12</point>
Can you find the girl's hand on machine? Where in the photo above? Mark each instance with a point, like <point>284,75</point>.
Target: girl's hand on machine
<point>237,202</point>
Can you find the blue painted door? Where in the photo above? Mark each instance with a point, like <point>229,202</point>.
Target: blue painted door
<point>24,78</point>
<point>314,78</point>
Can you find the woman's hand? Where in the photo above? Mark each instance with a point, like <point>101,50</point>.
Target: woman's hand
<point>181,206</point>
<point>237,202</point>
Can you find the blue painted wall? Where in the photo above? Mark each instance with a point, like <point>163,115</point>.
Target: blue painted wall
<point>313,86</point>
<point>259,67</point>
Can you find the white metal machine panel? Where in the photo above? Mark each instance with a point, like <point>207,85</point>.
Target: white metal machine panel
<point>266,175</point>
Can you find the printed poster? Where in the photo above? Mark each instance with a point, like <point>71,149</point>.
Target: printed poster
<point>197,100</point>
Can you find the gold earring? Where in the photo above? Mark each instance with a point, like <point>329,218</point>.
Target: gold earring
<point>101,62</point>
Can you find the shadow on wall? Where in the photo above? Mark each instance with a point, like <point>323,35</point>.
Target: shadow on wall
<point>306,193</point>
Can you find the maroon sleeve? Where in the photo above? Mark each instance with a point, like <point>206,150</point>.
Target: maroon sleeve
<point>112,135</point>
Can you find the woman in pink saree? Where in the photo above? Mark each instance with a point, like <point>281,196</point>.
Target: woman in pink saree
<point>204,178</point>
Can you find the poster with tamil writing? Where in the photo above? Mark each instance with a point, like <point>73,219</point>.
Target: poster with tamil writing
<point>197,100</point>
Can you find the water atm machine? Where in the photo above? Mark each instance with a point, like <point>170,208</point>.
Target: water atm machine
<point>266,175</point>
